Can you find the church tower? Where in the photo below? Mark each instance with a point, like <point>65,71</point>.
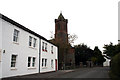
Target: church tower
<point>61,33</point>
<point>66,52</point>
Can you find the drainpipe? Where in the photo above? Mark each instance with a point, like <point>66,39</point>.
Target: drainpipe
<point>39,53</point>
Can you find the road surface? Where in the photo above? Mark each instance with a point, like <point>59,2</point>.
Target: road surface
<point>96,72</point>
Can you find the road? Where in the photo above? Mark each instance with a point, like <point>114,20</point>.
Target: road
<point>96,72</point>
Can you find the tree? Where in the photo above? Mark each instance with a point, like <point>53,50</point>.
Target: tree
<point>72,38</point>
<point>115,67</point>
<point>98,55</point>
<point>82,54</point>
<point>111,50</point>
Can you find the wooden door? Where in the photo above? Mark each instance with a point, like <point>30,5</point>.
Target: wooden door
<point>56,65</point>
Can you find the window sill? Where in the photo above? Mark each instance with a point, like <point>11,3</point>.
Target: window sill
<point>44,67</point>
<point>33,47</point>
<point>13,68</point>
<point>15,42</point>
<point>31,67</point>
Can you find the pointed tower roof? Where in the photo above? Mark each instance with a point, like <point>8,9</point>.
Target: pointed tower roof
<point>61,17</point>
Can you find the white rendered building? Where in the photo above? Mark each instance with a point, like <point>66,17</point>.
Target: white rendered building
<point>23,51</point>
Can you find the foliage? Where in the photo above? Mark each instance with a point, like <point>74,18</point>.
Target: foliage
<point>82,53</point>
<point>115,66</point>
<point>94,59</point>
<point>111,50</point>
<point>99,57</point>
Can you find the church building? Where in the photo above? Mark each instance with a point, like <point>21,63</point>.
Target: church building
<point>66,53</point>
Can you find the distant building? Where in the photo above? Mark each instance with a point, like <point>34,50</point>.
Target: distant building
<point>23,51</point>
<point>107,62</point>
<point>66,57</point>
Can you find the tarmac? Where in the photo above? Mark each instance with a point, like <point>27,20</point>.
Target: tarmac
<point>41,75</point>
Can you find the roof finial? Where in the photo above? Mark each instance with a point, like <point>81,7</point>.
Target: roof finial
<point>60,12</point>
<point>60,17</point>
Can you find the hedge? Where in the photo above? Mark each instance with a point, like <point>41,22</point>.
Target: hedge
<point>115,67</point>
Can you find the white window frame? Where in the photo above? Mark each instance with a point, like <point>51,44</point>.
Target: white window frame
<point>52,49</point>
<point>52,63</point>
<point>29,62</point>
<point>46,47</point>
<point>44,62</point>
<point>30,41</point>
<point>13,61</point>
<point>34,43</point>
<point>16,35</point>
<point>33,61</point>
<point>43,46</point>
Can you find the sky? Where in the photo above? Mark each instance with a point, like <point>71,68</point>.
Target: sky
<point>95,22</point>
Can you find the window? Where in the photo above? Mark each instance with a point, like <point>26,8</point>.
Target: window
<point>46,47</point>
<point>15,35</point>
<point>52,63</point>
<point>52,49</point>
<point>29,61</point>
<point>45,62</point>
<point>42,62</point>
<point>13,60</point>
<point>33,62</point>
<point>34,44</point>
<point>30,41</point>
<point>43,46</point>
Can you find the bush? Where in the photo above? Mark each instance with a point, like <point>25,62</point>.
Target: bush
<point>115,66</point>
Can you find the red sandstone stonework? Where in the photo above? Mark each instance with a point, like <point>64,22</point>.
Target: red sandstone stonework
<point>61,36</point>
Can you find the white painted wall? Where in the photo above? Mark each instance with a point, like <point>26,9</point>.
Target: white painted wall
<point>22,50</point>
<point>48,55</point>
<point>0,48</point>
